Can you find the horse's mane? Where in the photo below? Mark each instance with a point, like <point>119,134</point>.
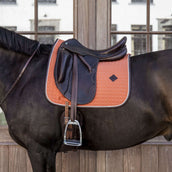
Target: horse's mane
<point>15,42</point>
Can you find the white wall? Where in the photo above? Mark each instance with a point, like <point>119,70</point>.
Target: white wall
<point>124,14</point>
<point>21,14</point>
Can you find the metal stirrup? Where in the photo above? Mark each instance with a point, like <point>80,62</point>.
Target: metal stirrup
<point>73,142</point>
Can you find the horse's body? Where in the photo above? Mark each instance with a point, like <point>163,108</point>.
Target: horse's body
<point>34,122</point>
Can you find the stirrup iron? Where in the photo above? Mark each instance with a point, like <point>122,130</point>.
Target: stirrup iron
<point>73,141</point>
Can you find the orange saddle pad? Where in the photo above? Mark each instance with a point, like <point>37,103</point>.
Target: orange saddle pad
<point>113,83</point>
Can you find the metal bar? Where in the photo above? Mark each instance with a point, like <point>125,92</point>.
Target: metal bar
<point>112,32</point>
<point>109,21</point>
<point>148,26</point>
<point>36,19</point>
<point>45,33</point>
<point>141,32</point>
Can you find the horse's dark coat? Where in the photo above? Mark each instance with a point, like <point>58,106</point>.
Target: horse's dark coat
<point>34,122</point>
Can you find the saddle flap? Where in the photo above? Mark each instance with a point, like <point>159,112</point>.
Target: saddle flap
<point>63,65</point>
<point>86,78</point>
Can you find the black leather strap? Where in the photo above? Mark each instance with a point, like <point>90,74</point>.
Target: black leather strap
<point>74,94</point>
<point>19,76</point>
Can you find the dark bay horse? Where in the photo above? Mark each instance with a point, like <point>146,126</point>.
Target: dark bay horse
<point>34,122</point>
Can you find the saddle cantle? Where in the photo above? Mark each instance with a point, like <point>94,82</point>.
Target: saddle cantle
<point>87,61</point>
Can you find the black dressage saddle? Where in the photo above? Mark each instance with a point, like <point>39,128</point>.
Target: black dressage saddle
<point>87,60</point>
<point>75,72</point>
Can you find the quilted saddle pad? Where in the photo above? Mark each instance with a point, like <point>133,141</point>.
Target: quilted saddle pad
<point>113,82</point>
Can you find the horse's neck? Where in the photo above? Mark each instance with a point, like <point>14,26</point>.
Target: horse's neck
<point>10,66</point>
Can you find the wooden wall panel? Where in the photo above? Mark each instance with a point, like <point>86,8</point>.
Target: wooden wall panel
<point>114,161</point>
<point>165,158</point>
<point>101,161</point>
<point>132,159</point>
<point>17,159</point>
<point>87,161</point>
<point>82,22</point>
<point>84,163</point>
<point>85,25</point>
<point>59,162</point>
<point>142,158</point>
<point>102,23</point>
<point>149,158</point>
<point>92,24</point>
<point>92,161</point>
<point>4,159</point>
<point>71,162</point>
<point>28,164</point>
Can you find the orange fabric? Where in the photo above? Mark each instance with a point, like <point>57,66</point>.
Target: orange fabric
<point>108,94</point>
